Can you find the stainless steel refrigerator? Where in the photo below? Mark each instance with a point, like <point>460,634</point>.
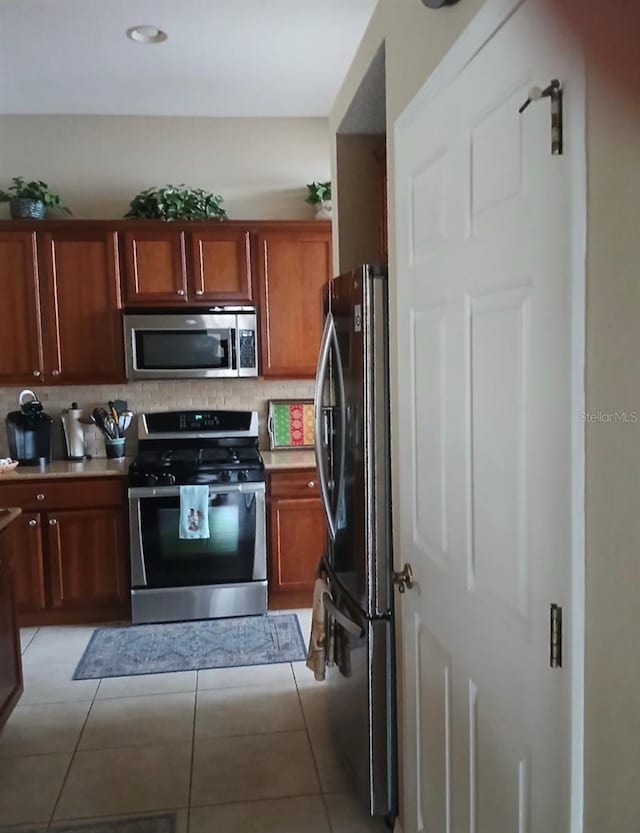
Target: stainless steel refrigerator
<point>352,450</point>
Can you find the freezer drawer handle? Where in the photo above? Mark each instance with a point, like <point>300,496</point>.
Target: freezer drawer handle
<point>340,618</point>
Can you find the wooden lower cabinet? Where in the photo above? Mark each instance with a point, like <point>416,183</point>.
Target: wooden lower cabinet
<point>10,658</point>
<point>296,532</point>
<point>73,564</point>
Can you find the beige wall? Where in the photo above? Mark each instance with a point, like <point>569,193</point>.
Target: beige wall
<point>416,39</point>
<point>98,163</point>
<point>612,788</point>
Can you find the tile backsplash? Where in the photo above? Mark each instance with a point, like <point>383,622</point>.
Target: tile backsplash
<point>235,394</point>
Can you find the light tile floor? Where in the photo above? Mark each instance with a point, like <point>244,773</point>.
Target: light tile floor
<point>230,750</point>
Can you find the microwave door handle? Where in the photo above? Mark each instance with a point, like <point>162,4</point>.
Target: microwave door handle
<point>321,376</point>
<point>233,335</point>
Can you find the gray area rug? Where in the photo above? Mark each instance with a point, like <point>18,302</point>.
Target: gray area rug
<point>188,646</point>
<point>164,823</point>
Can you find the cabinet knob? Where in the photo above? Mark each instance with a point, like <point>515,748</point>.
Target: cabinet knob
<point>36,372</point>
<point>180,292</point>
<point>40,496</point>
<point>311,484</point>
<point>55,372</point>
<point>33,522</point>
<point>52,522</point>
<point>199,291</point>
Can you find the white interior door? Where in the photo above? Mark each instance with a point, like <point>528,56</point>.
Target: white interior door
<point>484,425</point>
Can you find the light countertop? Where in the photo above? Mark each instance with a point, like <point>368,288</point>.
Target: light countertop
<point>97,467</point>
<point>275,460</point>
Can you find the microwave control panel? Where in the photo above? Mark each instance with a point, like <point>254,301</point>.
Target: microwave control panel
<point>247,340</point>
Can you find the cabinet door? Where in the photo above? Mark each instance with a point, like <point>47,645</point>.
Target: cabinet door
<point>155,267</point>
<point>294,266</point>
<point>23,540</point>
<point>10,658</point>
<point>220,268</point>
<point>20,332</point>
<point>81,307</point>
<point>297,535</point>
<point>86,558</point>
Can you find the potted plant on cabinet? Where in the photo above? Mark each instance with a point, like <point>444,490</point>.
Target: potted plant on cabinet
<point>30,200</point>
<point>319,194</point>
<point>173,202</point>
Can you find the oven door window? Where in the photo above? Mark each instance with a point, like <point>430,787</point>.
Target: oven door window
<point>184,349</point>
<point>226,556</point>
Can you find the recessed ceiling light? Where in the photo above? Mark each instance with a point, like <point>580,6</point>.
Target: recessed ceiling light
<point>146,34</point>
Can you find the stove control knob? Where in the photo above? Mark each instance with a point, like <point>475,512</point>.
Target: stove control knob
<point>243,475</point>
<point>150,479</point>
<point>168,479</point>
<point>225,476</point>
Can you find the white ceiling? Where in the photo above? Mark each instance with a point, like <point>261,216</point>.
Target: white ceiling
<point>222,57</point>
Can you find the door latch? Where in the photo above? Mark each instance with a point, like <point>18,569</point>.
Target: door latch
<point>554,92</point>
<point>404,578</point>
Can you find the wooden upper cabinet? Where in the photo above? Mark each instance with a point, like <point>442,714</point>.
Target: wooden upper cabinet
<point>294,266</point>
<point>220,268</point>
<point>380,155</point>
<point>80,292</point>
<point>155,267</point>
<point>21,358</point>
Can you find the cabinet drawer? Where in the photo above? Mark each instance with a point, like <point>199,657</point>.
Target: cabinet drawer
<point>72,494</point>
<point>299,483</point>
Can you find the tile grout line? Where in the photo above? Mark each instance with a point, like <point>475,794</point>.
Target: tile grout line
<point>313,754</point>
<point>73,757</point>
<point>193,750</point>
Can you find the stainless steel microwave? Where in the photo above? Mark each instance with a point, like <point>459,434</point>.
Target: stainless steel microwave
<point>219,343</point>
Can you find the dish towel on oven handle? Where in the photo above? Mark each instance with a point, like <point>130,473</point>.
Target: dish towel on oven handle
<point>194,512</point>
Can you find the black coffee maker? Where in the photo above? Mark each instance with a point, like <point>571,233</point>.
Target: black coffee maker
<point>29,432</point>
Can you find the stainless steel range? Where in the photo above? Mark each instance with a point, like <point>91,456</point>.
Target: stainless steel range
<point>224,574</point>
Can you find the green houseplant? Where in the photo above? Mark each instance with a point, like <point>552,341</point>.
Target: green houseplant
<point>173,202</point>
<point>30,200</point>
<point>318,192</point>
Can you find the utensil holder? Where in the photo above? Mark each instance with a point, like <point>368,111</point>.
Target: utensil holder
<point>115,448</point>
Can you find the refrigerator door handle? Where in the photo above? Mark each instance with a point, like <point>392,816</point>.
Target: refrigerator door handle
<point>321,377</point>
<point>349,625</point>
<point>338,485</point>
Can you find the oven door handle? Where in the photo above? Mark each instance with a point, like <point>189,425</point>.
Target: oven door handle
<point>151,492</point>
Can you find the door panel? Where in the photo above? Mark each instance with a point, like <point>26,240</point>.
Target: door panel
<point>155,267</point>
<point>221,266</point>
<point>293,269</point>
<point>23,539</point>
<point>20,333</point>
<point>484,438</point>
<point>86,567</point>
<point>81,307</point>
<point>297,542</point>
<point>10,658</point>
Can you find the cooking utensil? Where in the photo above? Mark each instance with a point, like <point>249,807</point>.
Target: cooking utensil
<point>124,420</point>
<point>105,423</point>
<point>112,410</point>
